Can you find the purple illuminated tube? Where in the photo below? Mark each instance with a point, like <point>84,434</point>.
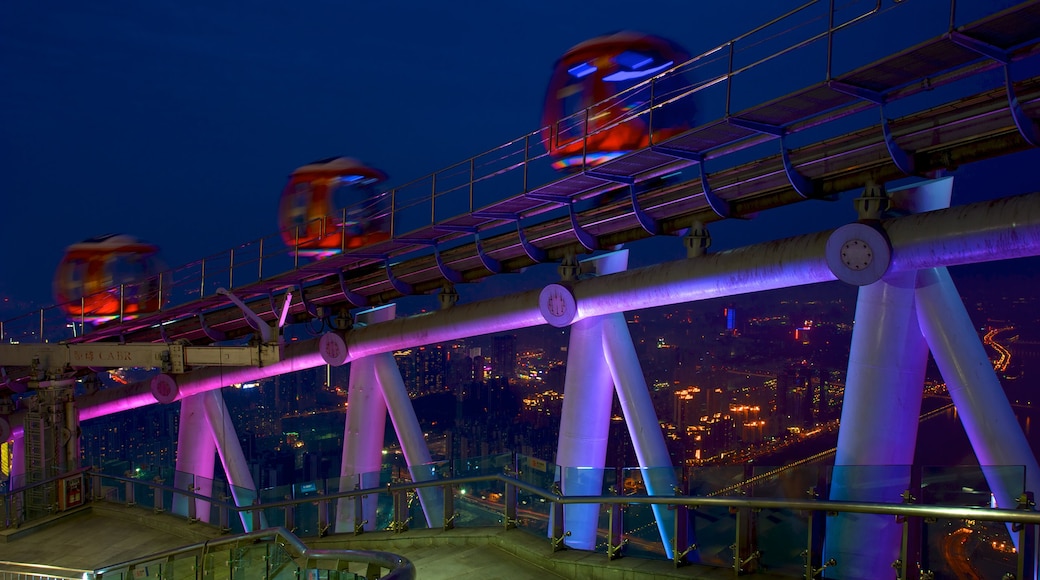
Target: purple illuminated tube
<point>960,235</point>
<point>584,426</point>
<point>362,447</point>
<point>195,458</point>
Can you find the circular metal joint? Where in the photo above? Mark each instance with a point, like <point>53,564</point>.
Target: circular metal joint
<point>333,349</point>
<point>858,254</point>
<point>557,305</point>
<point>164,389</point>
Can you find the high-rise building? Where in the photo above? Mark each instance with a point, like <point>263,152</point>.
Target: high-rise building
<point>503,356</point>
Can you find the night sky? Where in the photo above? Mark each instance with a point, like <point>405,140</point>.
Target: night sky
<point>178,122</point>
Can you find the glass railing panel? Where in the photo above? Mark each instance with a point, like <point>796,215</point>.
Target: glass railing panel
<point>582,520</point>
<point>280,564</point>
<point>416,506</point>
<point>182,567</point>
<point>533,514</point>
<point>474,511</point>
<point>714,528</point>
<point>967,546</point>
<point>249,561</point>
<point>484,465</point>
<point>845,531</point>
<point>307,511</point>
<point>342,511</point>
<point>537,472</point>
<point>642,524</point>
<point>276,516</point>
<point>967,549</point>
<point>215,563</point>
<point>782,535</point>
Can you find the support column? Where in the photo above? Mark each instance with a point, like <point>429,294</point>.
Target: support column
<point>584,428</point>
<point>229,449</point>
<point>985,412</point>
<point>413,443</point>
<point>879,419</point>
<point>196,457</point>
<point>363,433</point>
<point>643,425</point>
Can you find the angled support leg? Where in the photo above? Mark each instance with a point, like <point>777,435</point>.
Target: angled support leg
<point>976,391</point>
<point>229,449</point>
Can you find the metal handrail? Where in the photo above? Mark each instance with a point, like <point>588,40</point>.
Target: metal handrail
<point>471,163</point>
<point>1022,520</point>
<point>39,571</point>
<point>399,568</point>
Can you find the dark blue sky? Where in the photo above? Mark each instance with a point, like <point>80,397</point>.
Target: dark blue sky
<point>178,122</point>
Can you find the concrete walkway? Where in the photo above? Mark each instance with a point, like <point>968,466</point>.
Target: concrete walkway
<point>103,534</point>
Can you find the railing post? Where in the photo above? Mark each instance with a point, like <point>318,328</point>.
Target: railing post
<point>95,487</point>
<point>192,508</point>
<point>260,262</point>
<point>681,533</point>
<point>527,151</point>
<point>449,507</point>
<point>650,114</point>
<point>129,487</point>
<point>343,230</point>
<point>323,517</point>
<point>509,515</point>
<point>202,279</point>
<point>254,514</point>
<point>472,177</point>
<point>557,527</point>
<point>399,521</point>
<point>290,518</point>
<point>223,516</point>
<point>41,326</point>
<point>393,212</point>
<point>157,497</point>
<point>231,270</point>
<point>1026,539</point>
<point>433,199</point>
<point>615,529</point>
<point>359,507</point>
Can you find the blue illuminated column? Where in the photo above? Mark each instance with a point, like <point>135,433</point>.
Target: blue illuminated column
<point>229,449</point>
<point>584,426</point>
<point>363,434</point>
<point>600,361</point>
<point>879,421</point>
<point>196,457</point>
<point>882,402</point>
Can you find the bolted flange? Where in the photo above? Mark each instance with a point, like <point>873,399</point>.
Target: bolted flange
<point>858,254</point>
